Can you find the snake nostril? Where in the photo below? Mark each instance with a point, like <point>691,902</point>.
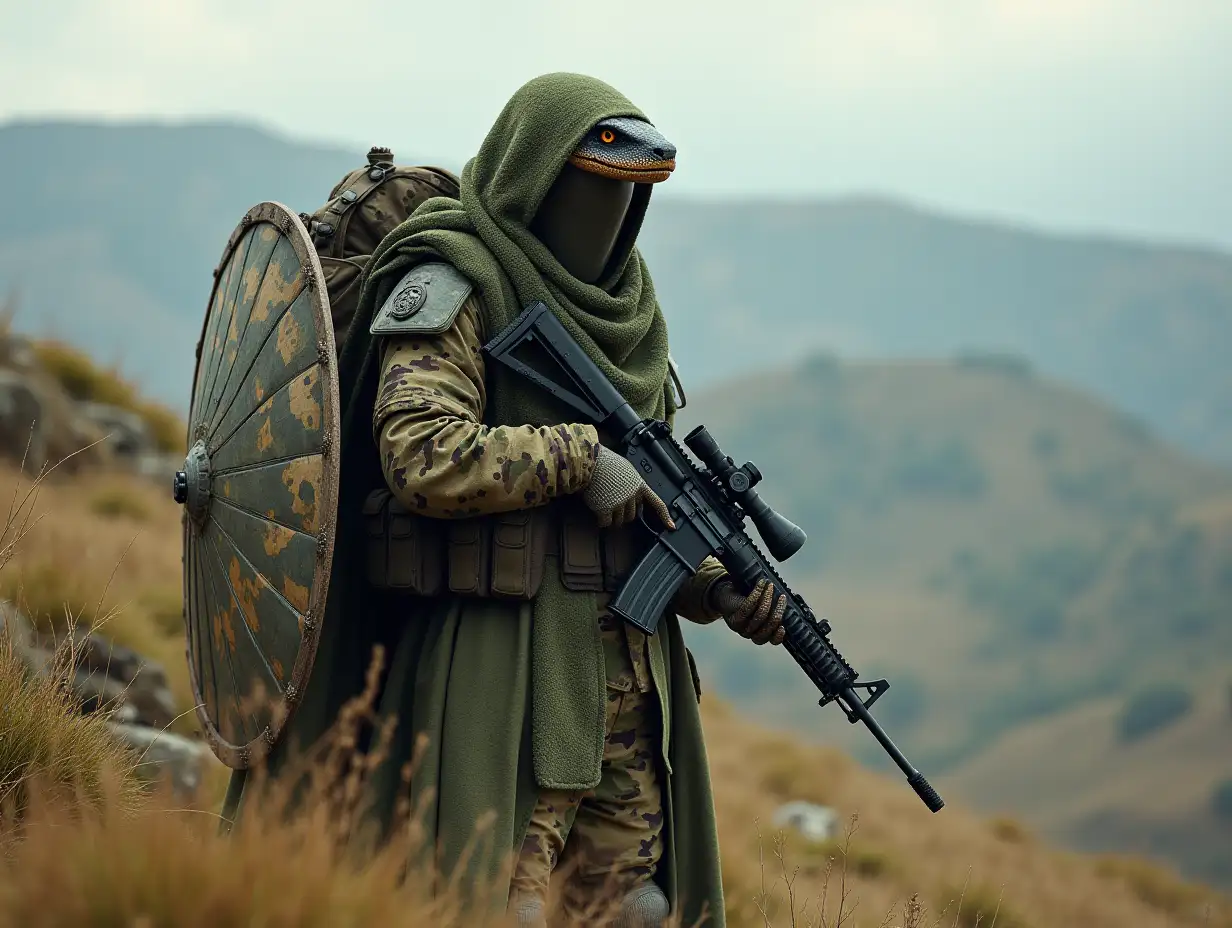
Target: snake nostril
<point>665,152</point>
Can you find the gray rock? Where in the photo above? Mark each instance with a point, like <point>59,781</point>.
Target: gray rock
<point>15,625</point>
<point>144,682</point>
<point>93,690</point>
<point>814,822</point>
<point>22,435</point>
<point>161,754</point>
<point>158,466</point>
<point>129,436</point>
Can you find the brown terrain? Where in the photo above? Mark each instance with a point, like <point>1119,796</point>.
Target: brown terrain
<point>107,545</point>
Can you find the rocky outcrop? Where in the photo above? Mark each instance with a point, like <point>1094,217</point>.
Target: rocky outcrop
<point>131,690</point>
<point>39,421</point>
<point>48,416</point>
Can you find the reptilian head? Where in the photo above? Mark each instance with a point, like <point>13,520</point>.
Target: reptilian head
<point>626,149</point>
<point>592,213</point>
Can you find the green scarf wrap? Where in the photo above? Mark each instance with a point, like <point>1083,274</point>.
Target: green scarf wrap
<point>485,235</point>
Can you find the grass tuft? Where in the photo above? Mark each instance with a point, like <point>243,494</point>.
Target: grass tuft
<point>982,906</point>
<point>119,502</point>
<point>1157,886</point>
<point>1009,830</point>
<point>788,774</point>
<point>45,741</point>
<point>53,597</point>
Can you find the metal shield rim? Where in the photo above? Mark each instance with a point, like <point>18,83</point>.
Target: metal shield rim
<point>287,221</point>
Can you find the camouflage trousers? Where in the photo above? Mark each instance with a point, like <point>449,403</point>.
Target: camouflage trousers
<point>606,840</point>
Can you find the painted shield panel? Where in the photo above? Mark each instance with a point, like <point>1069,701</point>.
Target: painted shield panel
<point>259,485</point>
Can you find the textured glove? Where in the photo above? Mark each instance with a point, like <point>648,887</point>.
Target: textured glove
<point>756,616</point>
<point>616,489</point>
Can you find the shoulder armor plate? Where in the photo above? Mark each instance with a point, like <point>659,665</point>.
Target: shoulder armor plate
<point>425,302</point>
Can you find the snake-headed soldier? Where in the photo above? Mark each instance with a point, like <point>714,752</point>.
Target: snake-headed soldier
<point>498,527</point>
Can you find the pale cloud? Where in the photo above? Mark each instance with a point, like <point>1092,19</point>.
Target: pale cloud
<point>1110,114</point>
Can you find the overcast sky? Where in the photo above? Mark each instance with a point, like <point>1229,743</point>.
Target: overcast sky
<point>1109,115</point>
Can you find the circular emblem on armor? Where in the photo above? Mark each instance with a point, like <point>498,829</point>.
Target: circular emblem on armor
<point>408,302</point>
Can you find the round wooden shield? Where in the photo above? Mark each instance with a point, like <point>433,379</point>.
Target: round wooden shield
<point>259,485</point>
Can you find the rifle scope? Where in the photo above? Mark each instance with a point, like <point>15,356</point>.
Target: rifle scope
<point>783,537</point>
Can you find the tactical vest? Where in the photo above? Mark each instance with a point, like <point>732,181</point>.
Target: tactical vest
<point>502,556</point>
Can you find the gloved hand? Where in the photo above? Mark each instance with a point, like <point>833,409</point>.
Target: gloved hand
<point>756,616</point>
<point>616,489</point>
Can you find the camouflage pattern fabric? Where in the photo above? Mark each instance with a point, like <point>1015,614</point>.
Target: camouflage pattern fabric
<point>605,840</point>
<point>625,655</point>
<point>438,456</point>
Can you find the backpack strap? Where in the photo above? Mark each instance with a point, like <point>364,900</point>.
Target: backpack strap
<point>327,222</point>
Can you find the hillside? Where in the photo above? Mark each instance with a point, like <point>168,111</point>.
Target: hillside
<point>168,867</point>
<point>1101,791</point>
<point>1002,548</point>
<point>997,544</point>
<point>1143,327</point>
<point>113,230</point>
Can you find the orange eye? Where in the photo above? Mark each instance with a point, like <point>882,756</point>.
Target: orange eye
<point>608,136</point>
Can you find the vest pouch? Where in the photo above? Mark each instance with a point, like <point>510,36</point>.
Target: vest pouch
<point>403,549</point>
<point>469,547</point>
<point>519,551</point>
<point>581,553</point>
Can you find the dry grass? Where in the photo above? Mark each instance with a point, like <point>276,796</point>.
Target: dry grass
<point>119,502</point>
<point>1009,829</point>
<point>44,740</point>
<point>291,862</point>
<point>112,861</point>
<point>1159,887</point>
<point>50,754</point>
<point>902,851</point>
<point>157,864</point>
<point>51,597</point>
<point>72,565</point>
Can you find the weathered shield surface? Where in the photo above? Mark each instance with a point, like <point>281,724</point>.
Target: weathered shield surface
<point>259,486</point>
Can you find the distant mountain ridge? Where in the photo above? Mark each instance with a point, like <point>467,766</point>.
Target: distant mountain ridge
<point>110,232</point>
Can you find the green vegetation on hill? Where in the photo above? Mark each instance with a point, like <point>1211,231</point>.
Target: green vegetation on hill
<point>84,379</point>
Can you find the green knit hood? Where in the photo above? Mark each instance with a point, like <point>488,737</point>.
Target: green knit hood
<point>485,234</point>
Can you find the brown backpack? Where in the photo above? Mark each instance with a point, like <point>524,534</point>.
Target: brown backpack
<point>363,208</point>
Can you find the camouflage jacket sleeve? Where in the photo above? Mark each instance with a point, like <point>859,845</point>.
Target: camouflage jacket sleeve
<point>437,455</point>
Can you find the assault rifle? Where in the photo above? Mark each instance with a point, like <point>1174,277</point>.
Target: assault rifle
<point>708,505</point>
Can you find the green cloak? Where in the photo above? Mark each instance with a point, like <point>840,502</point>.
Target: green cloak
<point>510,696</point>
